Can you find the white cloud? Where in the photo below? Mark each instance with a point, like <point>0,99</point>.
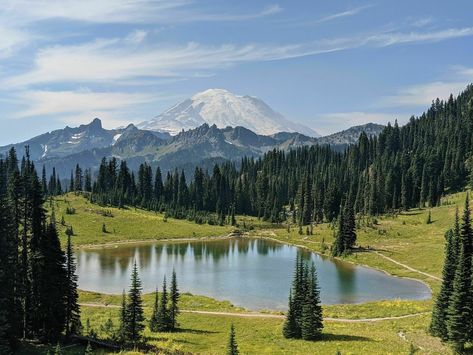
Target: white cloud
<point>422,22</point>
<point>347,13</point>
<point>120,11</point>
<point>423,94</point>
<point>42,103</point>
<point>116,60</point>
<point>389,39</point>
<point>331,122</point>
<point>136,37</point>
<point>103,11</point>
<point>12,39</point>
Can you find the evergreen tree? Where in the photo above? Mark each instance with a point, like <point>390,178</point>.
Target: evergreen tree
<point>346,236</point>
<point>123,319</point>
<point>163,323</point>
<point>134,309</point>
<point>460,306</point>
<point>72,296</point>
<point>311,321</point>
<point>232,347</point>
<point>174,298</point>
<point>304,315</point>
<point>50,286</point>
<point>153,322</point>
<point>290,324</point>
<point>6,282</point>
<point>438,326</point>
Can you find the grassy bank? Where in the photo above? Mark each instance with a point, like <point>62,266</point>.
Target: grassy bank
<point>123,225</point>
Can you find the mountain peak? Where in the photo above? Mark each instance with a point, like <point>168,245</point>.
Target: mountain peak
<point>96,123</point>
<point>223,108</point>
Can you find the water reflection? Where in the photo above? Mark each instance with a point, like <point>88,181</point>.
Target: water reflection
<point>252,273</point>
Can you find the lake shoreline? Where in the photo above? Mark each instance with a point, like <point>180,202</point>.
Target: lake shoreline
<point>424,297</point>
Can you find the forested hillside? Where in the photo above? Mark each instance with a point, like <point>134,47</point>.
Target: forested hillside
<point>404,167</point>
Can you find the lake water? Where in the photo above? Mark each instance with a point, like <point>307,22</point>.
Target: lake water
<point>252,273</point>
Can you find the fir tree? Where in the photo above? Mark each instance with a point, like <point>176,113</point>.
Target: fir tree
<point>72,296</point>
<point>232,347</point>
<point>438,326</point>
<point>311,321</point>
<point>290,324</point>
<point>460,308</point>
<point>50,286</point>
<point>134,309</point>
<point>123,319</point>
<point>153,322</point>
<point>304,315</point>
<point>163,314</point>
<point>174,298</point>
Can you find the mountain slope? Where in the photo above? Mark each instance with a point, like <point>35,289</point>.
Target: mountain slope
<point>222,108</point>
<point>205,145</point>
<point>71,141</point>
<point>351,135</point>
<point>63,142</point>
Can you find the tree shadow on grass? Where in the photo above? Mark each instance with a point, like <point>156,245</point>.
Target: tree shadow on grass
<point>194,331</point>
<point>370,249</point>
<point>342,337</point>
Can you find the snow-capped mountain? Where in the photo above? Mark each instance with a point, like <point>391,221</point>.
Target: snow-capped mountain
<point>223,108</point>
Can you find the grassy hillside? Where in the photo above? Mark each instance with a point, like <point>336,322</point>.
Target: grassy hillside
<point>405,238</point>
<point>123,224</point>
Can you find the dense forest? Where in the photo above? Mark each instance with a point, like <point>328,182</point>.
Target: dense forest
<point>404,167</point>
<point>38,293</point>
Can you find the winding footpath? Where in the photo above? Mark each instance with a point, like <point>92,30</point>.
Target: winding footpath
<point>269,315</point>
<point>406,266</point>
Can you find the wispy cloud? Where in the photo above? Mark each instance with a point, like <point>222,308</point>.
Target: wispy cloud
<point>114,60</point>
<point>422,22</point>
<point>346,13</point>
<point>77,106</point>
<point>136,37</point>
<point>42,103</point>
<point>117,60</point>
<point>12,39</point>
<point>121,11</point>
<point>421,95</point>
<point>388,39</point>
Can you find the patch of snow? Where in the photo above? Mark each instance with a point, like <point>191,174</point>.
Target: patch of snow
<point>77,135</point>
<point>227,141</point>
<point>45,147</point>
<point>116,137</point>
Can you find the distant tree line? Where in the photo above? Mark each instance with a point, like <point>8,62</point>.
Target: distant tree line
<point>38,293</point>
<point>404,167</point>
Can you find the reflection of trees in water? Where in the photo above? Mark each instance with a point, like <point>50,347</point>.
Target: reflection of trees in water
<point>346,280</point>
<point>111,259</point>
<point>263,247</point>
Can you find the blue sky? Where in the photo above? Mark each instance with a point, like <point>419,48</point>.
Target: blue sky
<point>327,64</point>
